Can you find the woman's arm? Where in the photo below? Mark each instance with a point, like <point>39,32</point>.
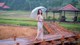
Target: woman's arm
<point>37,19</point>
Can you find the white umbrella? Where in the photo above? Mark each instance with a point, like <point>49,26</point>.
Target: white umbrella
<point>35,10</point>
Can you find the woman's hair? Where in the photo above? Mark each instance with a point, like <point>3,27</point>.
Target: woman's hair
<point>39,12</point>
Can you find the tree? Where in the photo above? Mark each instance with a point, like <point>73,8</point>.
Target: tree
<point>78,4</point>
<point>31,4</point>
<point>74,2</point>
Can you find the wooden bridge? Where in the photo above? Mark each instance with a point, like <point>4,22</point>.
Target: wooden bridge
<point>58,35</point>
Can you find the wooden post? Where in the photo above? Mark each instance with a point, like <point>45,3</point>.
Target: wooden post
<point>64,13</point>
<point>77,39</point>
<point>77,15</point>
<point>64,16</point>
<point>62,40</point>
<point>71,40</point>
<point>46,13</point>
<point>53,42</point>
<point>43,42</point>
<point>60,16</point>
<point>53,16</point>
<point>17,44</point>
<point>14,38</point>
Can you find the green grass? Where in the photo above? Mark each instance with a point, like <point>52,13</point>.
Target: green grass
<point>17,18</point>
<point>71,26</point>
<point>18,22</point>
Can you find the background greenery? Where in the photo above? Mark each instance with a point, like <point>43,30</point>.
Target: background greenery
<point>30,4</point>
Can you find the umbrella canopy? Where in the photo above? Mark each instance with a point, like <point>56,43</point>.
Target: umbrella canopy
<point>35,10</point>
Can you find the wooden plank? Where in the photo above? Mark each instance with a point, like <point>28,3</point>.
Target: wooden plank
<point>48,28</point>
<point>62,31</point>
<point>62,28</point>
<point>47,38</point>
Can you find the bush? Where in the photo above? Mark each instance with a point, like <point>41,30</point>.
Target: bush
<point>78,19</point>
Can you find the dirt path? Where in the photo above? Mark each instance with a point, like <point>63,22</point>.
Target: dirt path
<point>19,31</point>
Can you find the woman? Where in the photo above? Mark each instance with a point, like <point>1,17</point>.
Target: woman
<point>40,25</point>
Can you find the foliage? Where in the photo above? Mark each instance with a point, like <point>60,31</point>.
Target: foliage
<point>78,19</point>
<point>78,5</point>
<point>30,4</point>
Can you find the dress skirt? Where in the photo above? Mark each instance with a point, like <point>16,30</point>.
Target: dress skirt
<point>40,30</point>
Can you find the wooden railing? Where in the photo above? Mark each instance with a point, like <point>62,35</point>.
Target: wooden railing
<point>48,28</point>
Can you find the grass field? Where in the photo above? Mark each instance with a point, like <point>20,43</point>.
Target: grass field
<point>16,18</point>
<point>22,18</point>
<point>71,26</point>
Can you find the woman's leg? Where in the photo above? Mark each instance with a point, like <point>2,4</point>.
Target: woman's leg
<point>38,33</point>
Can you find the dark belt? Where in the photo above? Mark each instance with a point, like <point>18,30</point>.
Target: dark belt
<point>39,21</point>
